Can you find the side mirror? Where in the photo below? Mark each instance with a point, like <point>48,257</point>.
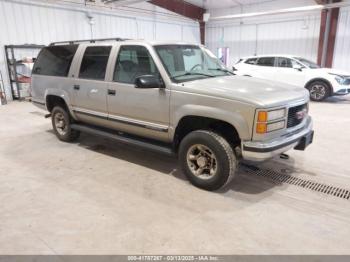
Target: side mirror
<point>148,81</point>
<point>298,67</point>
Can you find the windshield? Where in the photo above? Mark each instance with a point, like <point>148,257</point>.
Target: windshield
<point>190,62</point>
<point>308,63</point>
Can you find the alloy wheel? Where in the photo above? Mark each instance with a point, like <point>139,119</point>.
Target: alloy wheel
<point>60,124</point>
<point>202,161</point>
<point>317,92</point>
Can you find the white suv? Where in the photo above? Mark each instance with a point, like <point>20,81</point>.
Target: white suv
<point>321,82</point>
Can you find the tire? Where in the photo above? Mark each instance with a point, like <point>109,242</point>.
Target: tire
<point>61,121</point>
<point>207,160</point>
<point>319,90</point>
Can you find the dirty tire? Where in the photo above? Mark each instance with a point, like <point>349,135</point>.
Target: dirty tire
<point>61,121</point>
<point>226,161</point>
<point>319,90</point>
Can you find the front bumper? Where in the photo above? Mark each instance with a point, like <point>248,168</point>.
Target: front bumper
<point>341,92</point>
<point>263,150</point>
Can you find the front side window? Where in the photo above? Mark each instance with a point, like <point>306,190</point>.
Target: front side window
<point>132,62</point>
<point>308,63</point>
<point>287,62</point>
<point>55,60</point>
<point>266,61</point>
<point>284,62</point>
<point>190,62</point>
<point>94,63</point>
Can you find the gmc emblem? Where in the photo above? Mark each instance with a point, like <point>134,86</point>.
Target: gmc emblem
<point>301,114</point>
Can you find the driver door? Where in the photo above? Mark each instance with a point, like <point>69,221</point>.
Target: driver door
<point>287,72</point>
<point>143,112</point>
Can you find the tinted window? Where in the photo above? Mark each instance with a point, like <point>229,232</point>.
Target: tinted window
<point>284,62</point>
<point>55,60</point>
<point>308,62</point>
<point>266,61</point>
<point>133,61</point>
<point>251,61</point>
<point>94,62</point>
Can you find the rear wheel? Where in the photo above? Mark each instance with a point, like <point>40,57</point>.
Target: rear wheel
<point>61,121</point>
<point>319,90</point>
<point>207,160</point>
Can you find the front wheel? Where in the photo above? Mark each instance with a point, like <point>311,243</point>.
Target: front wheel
<point>207,160</point>
<point>61,125</point>
<point>318,91</point>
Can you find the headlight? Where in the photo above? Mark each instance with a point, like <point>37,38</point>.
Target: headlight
<point>275,126</point>
<point>267,116</point>
<point>267,120</point>
<point>262,128</point>
<point>341,80</point>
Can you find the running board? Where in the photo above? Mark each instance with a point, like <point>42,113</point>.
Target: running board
<point>124,139</point>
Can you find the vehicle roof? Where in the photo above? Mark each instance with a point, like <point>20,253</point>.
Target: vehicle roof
<point>273,55</point>
<point>124,41</point>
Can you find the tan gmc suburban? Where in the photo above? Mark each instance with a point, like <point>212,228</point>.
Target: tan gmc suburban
<point>173,98</point>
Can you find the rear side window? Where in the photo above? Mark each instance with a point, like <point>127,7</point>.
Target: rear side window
<point>251,61</point>
<point>266,61</point>
<point>55,60</point>
<point>94,63</point>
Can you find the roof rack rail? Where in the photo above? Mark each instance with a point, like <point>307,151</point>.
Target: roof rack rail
<point>72,42</point>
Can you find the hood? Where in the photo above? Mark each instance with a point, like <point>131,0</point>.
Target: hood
<point>255,91</point>
<point>332,71</point>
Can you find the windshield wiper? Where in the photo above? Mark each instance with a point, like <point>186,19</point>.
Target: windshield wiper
<point>222,70</point>
<point>192,74</point>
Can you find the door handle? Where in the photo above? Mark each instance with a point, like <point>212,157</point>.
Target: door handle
<point>111,92</point>
<point>76,87</point>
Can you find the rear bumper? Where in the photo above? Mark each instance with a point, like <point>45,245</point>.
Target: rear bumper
<point>263,150</point>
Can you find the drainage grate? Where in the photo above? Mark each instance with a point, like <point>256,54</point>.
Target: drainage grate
<point>38,113</point>
<point>308,184</point>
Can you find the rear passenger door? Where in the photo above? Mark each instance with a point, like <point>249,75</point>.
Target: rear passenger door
<point>90,87</point>
<point>265,68</point>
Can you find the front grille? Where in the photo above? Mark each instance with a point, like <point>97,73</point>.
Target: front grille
<point>294,115</point>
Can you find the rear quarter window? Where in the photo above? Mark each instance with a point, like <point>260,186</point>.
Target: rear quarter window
<point>55,60</point>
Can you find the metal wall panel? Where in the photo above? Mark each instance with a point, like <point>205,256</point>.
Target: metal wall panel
<point>342,44</point>
<point>32,22</point>
<point>168,32</point>
<point>298,36</point>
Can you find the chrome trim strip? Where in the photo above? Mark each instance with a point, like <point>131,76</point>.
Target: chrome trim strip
<point>138,123</point>
<point>90,112</point>
<point>122,120</point>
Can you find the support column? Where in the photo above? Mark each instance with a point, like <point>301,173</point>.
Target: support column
<point>185,9</point>
<point>328,31</point>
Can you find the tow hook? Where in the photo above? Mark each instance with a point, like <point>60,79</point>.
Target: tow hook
<point>47,115</point>
<point>284,156</point>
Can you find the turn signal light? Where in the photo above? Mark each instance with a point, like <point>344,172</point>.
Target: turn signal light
<point>262,116</point>
<point>261,128</point>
